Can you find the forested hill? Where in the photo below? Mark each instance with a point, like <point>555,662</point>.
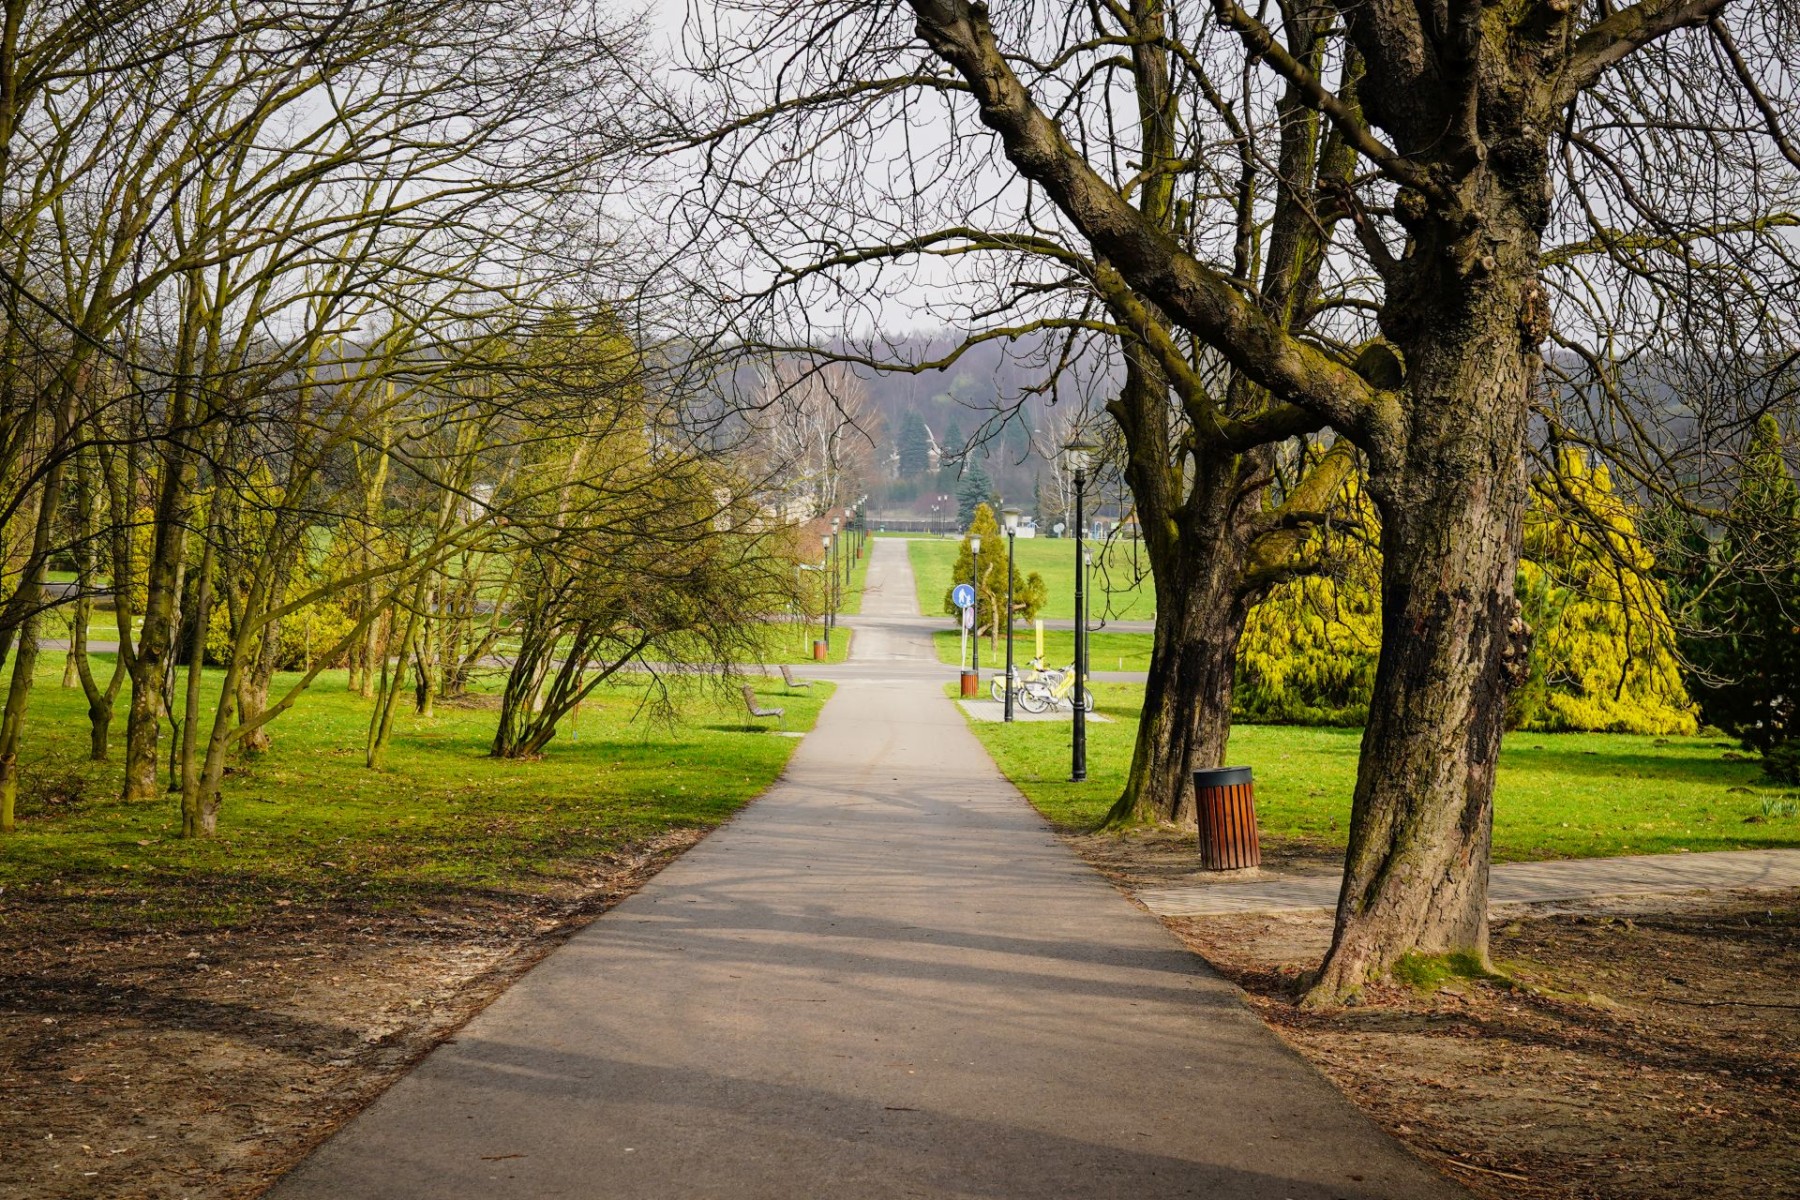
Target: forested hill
<point>1000,406</point>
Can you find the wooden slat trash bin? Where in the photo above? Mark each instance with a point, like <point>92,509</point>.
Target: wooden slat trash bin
<point>1225,803</point>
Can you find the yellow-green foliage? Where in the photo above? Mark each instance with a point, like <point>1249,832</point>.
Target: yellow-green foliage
<point>1309,648</point>
<point>1029,594</point>
<point>307,634</point>
<point>1601,655</point>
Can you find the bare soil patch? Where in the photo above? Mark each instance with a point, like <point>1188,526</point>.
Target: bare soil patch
<point>154,1061</point>
<point>1642,1049</point>
<point>1156,857</point>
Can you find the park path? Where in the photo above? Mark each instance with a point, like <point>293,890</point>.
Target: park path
<point>885,978</point>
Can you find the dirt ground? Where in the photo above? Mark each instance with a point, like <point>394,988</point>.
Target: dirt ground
<point>202,1063</point>
<point>1638,1050</point>
<point>1634,1050</point>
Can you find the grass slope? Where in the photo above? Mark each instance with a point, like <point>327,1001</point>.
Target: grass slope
<point>1114,595</point>
<point>308,821</point>
<point>1567,795</point>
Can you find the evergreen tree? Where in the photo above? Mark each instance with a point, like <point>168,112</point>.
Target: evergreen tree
<point>915,446</point>
<point>952,445</point>
<point>1029,593</point>
<point>1745,647</point>
<point>975,490</point>
<point>1602,644</point>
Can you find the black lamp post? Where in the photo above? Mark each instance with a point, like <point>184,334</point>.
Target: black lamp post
<point>1078,452</point>
<point>825,578</point>
<point>1011,516</point>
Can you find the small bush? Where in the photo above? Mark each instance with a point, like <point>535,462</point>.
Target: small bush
<point>1782,762</point>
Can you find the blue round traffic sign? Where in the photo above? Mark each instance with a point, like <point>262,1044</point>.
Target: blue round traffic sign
<point>963,596</point>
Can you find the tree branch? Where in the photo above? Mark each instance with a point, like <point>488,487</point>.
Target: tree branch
<point>1263,44</point>
<point>1614,39</point>
<point>1758,97</point>
<point>1194,295</point>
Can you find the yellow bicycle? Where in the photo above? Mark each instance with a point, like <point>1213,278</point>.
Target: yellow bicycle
<point>1033,671</point>
<point>1054,689</point>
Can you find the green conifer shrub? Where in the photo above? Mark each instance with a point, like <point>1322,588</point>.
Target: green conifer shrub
<point>1743,638</point>
<point>1029,592</point>
<point>1603,650</point>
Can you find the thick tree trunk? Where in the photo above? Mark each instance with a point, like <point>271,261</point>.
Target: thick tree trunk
<point>155,647</point>
<point>253,683</point>
<point>1452,502</point>
<point>1186,721</point>
<point>1197,539</point>
<point>156,644</point>
<point>194,822</point>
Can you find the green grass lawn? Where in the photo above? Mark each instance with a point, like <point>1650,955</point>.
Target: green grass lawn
<point>307,821</point>
<point>1114,594</point>
<point>1559,795</point>
<point>1106,651</point>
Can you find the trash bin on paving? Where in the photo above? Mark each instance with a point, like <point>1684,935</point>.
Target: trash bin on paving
<point>1225,805</point>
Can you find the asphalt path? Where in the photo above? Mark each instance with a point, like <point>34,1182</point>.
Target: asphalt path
<point>885,978</point>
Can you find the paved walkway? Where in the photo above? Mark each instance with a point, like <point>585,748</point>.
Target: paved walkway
<point>994,711</point>
<point>885,978</point>
<point>1510,883</point>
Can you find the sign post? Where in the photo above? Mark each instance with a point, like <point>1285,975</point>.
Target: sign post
<point>963,596</point>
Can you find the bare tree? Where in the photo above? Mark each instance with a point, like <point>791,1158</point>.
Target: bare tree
<point>1439,169</point>
<point>812,430</point>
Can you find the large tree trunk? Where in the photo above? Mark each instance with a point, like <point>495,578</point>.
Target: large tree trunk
<point>195,821</point>
<point>1186,719</point>
<point>99,699</point>
<point>1198,545</point>
<point>150,665</point>
<point>1197,557</point>
<point>156,640</point>
<point>1452,502</point>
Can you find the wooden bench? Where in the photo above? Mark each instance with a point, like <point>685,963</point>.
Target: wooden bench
<point>787,674</point>
<point>757,710</point>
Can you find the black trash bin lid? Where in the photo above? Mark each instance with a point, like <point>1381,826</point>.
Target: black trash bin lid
<point>1221,777</point>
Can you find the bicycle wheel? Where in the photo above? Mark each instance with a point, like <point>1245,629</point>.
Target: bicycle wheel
<point>1033,699</point>
<point>1087,700</point>
<point>998,692</point>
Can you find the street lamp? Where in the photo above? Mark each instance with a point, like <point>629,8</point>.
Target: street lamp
<point>825,579</point>
<point>975,630</point>
<point>837,555</point>
<point>1011,516</point>
<point>1079,453</point>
